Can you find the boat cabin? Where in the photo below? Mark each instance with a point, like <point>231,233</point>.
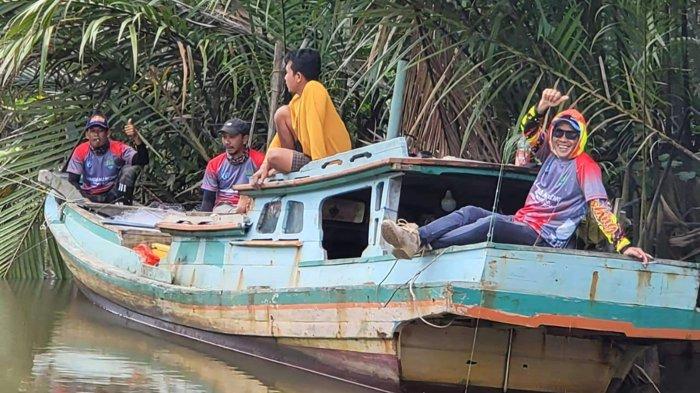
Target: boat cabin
<point>331,210</point>
<point>334,207</point>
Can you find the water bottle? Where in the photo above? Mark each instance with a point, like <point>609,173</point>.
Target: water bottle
<point>522,154</point>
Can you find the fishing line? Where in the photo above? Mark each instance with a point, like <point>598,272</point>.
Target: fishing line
<point>32,187</point>
<point>45,191</point>
<point>471,354</point>
<point>6,169</point>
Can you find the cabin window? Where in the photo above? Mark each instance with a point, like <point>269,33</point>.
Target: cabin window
<point>294,221</point>
<point>345,223</point>
<point>269,217</point>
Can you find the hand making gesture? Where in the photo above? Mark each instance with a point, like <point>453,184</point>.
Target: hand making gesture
<point>550,98</point>
<point>132,133</point>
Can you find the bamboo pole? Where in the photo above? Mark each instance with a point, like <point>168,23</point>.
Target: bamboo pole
<point>275,88</point>
<point>397,98</point>
<point>252,122</point>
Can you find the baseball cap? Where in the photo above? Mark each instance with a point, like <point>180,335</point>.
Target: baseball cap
<point>235,126</point>
<point>97,120</point>
<point>568,120</point>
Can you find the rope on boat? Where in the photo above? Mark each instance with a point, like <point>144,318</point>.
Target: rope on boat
<point>644,373</point>
<point>415,276</point>
<point>387,276</point>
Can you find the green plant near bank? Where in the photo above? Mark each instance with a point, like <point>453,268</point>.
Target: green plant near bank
<point>179,68</point>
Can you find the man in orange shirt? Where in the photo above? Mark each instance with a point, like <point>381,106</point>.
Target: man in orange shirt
<point>309,128</point>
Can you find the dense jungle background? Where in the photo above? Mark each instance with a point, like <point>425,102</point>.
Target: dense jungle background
<point>179,68</point>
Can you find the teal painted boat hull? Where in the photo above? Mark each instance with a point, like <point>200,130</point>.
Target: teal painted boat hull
<point>371,319</point>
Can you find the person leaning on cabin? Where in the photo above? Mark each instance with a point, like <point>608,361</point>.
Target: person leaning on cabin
<point>109,168</point>
<point>568,184</point>
<point>234,166</point>
<point>309,128</point>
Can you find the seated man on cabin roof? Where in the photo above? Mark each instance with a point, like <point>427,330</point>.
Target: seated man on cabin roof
<point>234,166</point>
<point>109,168</point>
<point>568,184</point>
<point>309,128</point>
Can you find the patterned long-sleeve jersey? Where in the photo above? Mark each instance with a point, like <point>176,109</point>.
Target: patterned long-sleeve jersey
<point>563,190</point>
<point>607,222</point>
<point>535,133</point>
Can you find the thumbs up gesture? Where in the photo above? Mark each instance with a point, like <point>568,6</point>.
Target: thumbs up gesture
<point>550,98</point>
<point>131,132</point>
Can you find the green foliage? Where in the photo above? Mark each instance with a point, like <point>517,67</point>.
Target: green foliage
<point>179,68</point>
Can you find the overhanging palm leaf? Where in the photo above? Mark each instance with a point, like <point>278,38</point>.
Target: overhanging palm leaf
<point>181,67</point>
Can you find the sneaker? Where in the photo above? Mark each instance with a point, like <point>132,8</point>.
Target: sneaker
<point>403,236</point>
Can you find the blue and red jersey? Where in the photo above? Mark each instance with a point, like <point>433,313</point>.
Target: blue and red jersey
<point>100,171</point>
<point>558,200</point>
<point>565,187</point>
<point>221,175</point>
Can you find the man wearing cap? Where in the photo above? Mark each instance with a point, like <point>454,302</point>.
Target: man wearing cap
<point>234,166</point>
<point>567,186</point>
<point>109,168</point>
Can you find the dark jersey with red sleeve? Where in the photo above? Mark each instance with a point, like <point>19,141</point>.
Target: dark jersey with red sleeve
<point>100,171</point>
<point>221,175</point>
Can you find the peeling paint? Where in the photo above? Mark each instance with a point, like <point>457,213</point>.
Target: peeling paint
<point>594,285</point>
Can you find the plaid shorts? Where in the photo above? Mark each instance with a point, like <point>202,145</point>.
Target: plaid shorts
<point>299,159</point>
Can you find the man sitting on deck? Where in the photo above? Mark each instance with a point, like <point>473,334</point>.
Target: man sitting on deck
<point>309,128</point>
<point>568,184</point>
<point>234,166</point>
<point>109,168</point>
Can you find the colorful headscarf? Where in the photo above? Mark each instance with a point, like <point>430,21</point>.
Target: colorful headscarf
<point>576,120</point>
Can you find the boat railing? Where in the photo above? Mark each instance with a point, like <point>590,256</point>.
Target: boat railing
<point>393,148</point>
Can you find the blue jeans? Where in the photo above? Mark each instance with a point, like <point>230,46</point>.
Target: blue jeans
<point>470,224</point>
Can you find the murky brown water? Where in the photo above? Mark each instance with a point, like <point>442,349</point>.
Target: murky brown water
<point>52,339</point>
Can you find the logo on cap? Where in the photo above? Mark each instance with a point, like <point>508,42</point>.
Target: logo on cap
<point>235,126</point>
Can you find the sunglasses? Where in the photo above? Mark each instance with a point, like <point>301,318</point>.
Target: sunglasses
<point>569,134</point>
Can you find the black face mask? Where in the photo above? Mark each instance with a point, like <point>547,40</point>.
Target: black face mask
<point>101,150</point>
<point>240,159</point>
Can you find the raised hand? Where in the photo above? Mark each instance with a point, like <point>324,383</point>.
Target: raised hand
<point>550,98</point>
<point>131,132</point>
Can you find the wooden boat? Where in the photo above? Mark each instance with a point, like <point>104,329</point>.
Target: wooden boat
<point>305,280</point>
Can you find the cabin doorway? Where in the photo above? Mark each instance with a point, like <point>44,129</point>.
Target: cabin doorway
<point>345,223</point>
<point>425,198</point>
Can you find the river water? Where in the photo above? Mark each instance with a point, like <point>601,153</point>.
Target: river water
<point>52,339</point>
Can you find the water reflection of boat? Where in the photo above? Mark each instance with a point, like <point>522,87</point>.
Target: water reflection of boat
<point>91,348</point>
<point>84,356</point>
<point>305,280</point>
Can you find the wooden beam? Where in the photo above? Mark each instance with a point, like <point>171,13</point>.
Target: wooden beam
<point>275,89</point>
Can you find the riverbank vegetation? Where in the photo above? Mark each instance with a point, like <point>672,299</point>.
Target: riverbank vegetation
<point>180,68</point>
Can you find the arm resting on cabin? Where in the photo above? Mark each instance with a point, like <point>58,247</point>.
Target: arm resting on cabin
<point>533,130</point>
<point>141,157</point>
<point>607,222</point>
<point>208,200</point>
